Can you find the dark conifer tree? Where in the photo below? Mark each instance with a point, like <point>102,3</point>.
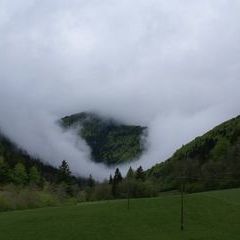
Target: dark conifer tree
<point>117,177</point>
<point>5,172</point>
<point>130,173</point>
<point>116,180</point>
<point>140,175</point>
<point>64,173</point>
<point>110,180</point>
<point>91,182</point>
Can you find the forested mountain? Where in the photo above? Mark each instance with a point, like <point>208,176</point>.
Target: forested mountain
<point>13,159</point>
<point>209,162</point>
<point>27,182</point>
<point>110,142</point>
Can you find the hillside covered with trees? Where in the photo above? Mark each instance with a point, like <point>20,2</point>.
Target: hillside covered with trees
<point>211,161</point>
<point>12,156</point>
<point>110,142</point>
<point>27,182</point>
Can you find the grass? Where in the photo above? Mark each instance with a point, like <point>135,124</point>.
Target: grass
<point>211,215</point>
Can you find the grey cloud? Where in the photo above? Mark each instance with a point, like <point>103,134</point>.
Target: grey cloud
<point>172,66</point>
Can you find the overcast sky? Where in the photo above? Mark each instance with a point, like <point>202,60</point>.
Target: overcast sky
<point>173,66</point>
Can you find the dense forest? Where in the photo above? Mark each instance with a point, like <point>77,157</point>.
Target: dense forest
<point>211,161</point>
<point>110,141</point>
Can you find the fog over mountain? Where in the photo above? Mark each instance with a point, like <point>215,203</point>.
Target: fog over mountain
<point>172,66</point>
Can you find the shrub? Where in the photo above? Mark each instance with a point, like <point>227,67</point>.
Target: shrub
<point>102,192</point>
<point>4,203</point>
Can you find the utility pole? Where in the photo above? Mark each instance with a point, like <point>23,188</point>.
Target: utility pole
<point>182,205</point>
<point>129,176</point>
<point>183,178</point>
<point>128,196</point>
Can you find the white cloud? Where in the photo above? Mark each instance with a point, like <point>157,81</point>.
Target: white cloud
<point>172,66</point>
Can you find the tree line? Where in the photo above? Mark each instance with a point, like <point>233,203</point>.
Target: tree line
<point>133,185</point>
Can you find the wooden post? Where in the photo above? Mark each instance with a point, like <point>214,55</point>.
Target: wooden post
<point>182,206</point>
<point>128,197</point>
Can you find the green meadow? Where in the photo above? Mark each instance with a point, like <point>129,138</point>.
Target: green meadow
<point>210,215</point>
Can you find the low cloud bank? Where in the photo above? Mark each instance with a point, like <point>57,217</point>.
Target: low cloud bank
<point>171,66</point>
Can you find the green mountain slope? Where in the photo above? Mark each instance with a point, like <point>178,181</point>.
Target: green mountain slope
<point>11,155</point>
<point>110,141</point>
<point>211,161</point>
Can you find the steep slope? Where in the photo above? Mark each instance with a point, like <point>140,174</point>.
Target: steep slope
<point>11,155</point>
<point>110,142</point>
<point>211,161</point>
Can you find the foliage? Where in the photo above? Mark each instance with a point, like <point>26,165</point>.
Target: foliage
<point>140,174</point>
<point>34,176</point>
<point>110,181</point>
<point>116,181</point>
<point>16,198</point>
<point>110,141</point>
<point>102,192</point>
<point>19,175</point>
<point>208,162</point>
<point>4,171</point>
<point>117,176</point>
<point>136,188</point>
<point>130,173</point>
<point>17,166</point>
<point>64,172</point>
<point>91,182</point>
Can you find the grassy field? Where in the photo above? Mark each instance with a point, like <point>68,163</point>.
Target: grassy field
<point>211,215</point>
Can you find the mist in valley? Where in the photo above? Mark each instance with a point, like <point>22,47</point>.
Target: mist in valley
<point>172,67</point>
